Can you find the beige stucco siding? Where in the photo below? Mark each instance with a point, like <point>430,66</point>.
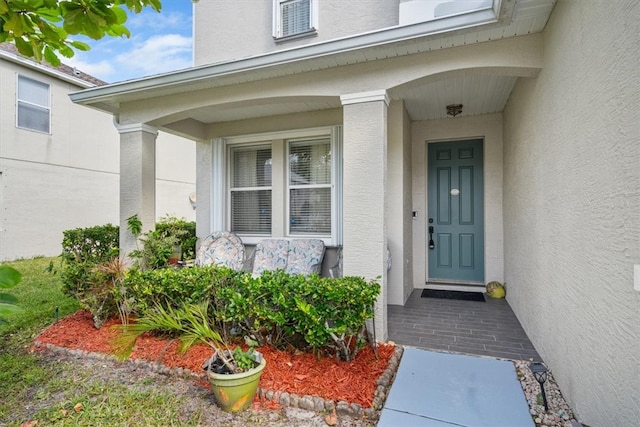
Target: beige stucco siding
<point>214,42</point>
<point>399,204</point>
<point>488,127</point>
<point>69,178</point>
<point>572,207</point>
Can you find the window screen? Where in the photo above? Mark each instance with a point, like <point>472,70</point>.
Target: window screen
<point>295,16</point>
<point>251,190</point>
<point>33,105</point>
<point>310,187</point>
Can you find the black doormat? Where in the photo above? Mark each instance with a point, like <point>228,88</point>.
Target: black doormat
<point>462,295</point>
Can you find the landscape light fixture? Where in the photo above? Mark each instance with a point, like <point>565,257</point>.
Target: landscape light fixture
<point>454,109</point>
<point>540,374</point>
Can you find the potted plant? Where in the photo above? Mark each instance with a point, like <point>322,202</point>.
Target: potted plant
<point>234,374</point>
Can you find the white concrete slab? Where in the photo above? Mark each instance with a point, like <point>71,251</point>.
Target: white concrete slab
<point>438,389</point>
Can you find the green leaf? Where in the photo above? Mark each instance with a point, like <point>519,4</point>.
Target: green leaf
<point>117,30</point>
<point>8,299</point>
<point>80,45</point>
<point>6,309</point>
<point>51,57</point>
<point>121,14</point>
<point>73,21</point>
<point>4,8</point>
<point>14,25</point>
<point>9,277</point>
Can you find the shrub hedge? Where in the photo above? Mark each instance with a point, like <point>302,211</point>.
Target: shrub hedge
<point>303,311</point>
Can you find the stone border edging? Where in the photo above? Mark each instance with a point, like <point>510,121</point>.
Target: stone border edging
<point>310,403</point>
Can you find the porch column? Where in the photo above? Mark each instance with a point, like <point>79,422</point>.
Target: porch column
<point>137,180</point>
<point>364,193</point>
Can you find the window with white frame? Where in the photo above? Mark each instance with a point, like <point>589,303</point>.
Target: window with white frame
<point>286,186</point>
<point>250,190</point>
<point>294,17</point>
<point>33,105</point>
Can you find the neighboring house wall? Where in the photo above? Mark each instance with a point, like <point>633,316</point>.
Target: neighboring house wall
<point>572,207</point>
<point>69,178</point>
<point>213,19</point>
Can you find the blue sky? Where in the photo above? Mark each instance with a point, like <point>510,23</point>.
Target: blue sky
<point>160,42</point>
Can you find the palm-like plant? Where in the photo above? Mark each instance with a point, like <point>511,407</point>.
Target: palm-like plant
<point>191,322</point>
<point>9,277</point>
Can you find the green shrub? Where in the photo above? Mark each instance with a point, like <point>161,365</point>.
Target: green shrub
<point>184,230</point>
<point>276,308</point>
<point>171,286</point>
<point>279,308</point>
<point>83,251</point>
<point>173,239</point>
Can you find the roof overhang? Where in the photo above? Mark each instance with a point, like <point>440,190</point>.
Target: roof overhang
<point>385,43</point>
<point>31,64</point>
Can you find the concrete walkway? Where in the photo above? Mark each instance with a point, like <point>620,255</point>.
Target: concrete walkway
<point>442,389</point>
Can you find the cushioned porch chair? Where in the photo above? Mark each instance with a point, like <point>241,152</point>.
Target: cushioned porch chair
<point>298,256</point>
<point>221,248</point>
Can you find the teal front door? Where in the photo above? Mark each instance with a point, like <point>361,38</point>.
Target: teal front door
<point>455,231</point>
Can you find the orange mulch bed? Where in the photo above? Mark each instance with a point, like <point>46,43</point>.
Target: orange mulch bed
<point>300,374</point>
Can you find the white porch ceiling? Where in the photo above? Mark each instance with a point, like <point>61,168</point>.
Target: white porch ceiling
<point>481,94</point>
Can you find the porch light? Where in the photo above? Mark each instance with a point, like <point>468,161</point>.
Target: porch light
<point>540,374</point>
<point>454,109</point>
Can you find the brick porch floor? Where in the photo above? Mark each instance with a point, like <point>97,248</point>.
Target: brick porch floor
<point>482,328</point>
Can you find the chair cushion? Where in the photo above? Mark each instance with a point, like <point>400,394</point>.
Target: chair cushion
<point>270,254</point>
<point>221,248</point>
<point>305,256</point>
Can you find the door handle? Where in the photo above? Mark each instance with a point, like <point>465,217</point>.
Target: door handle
<point>431,244</point>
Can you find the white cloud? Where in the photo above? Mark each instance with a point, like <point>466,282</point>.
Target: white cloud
<point>103,70</point>
<point>114,60</point>
<point>157,54</point>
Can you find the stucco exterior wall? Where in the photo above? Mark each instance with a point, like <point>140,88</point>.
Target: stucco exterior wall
<point>400,280</point>
<point>213,42</point>
<point>488,127</point>
<point>69,178</point>
<point>572,207</point>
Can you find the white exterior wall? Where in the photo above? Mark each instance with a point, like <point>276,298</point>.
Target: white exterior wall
<point>572,207</point>
<point>400,280</point>
<point>213,42</point>
<point>69,178</point>
<point>488,127</point>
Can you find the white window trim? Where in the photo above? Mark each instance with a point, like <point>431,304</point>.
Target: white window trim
<point>277,22</point>
<point>18,101</point>
<point>218,211</point>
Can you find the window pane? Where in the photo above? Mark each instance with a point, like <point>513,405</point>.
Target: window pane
<point>296,16</point>
<point>32,117</point>
<point>33,92</point>
<point>310,162</point>
<point>251,212</point>
<point>310,211</point>
<point>251,167</point>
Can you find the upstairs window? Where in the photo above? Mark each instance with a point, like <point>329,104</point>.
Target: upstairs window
<point>33,105</point>
<point>294,17</point>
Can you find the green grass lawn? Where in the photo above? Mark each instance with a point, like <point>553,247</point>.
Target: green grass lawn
<point>33,388</point>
